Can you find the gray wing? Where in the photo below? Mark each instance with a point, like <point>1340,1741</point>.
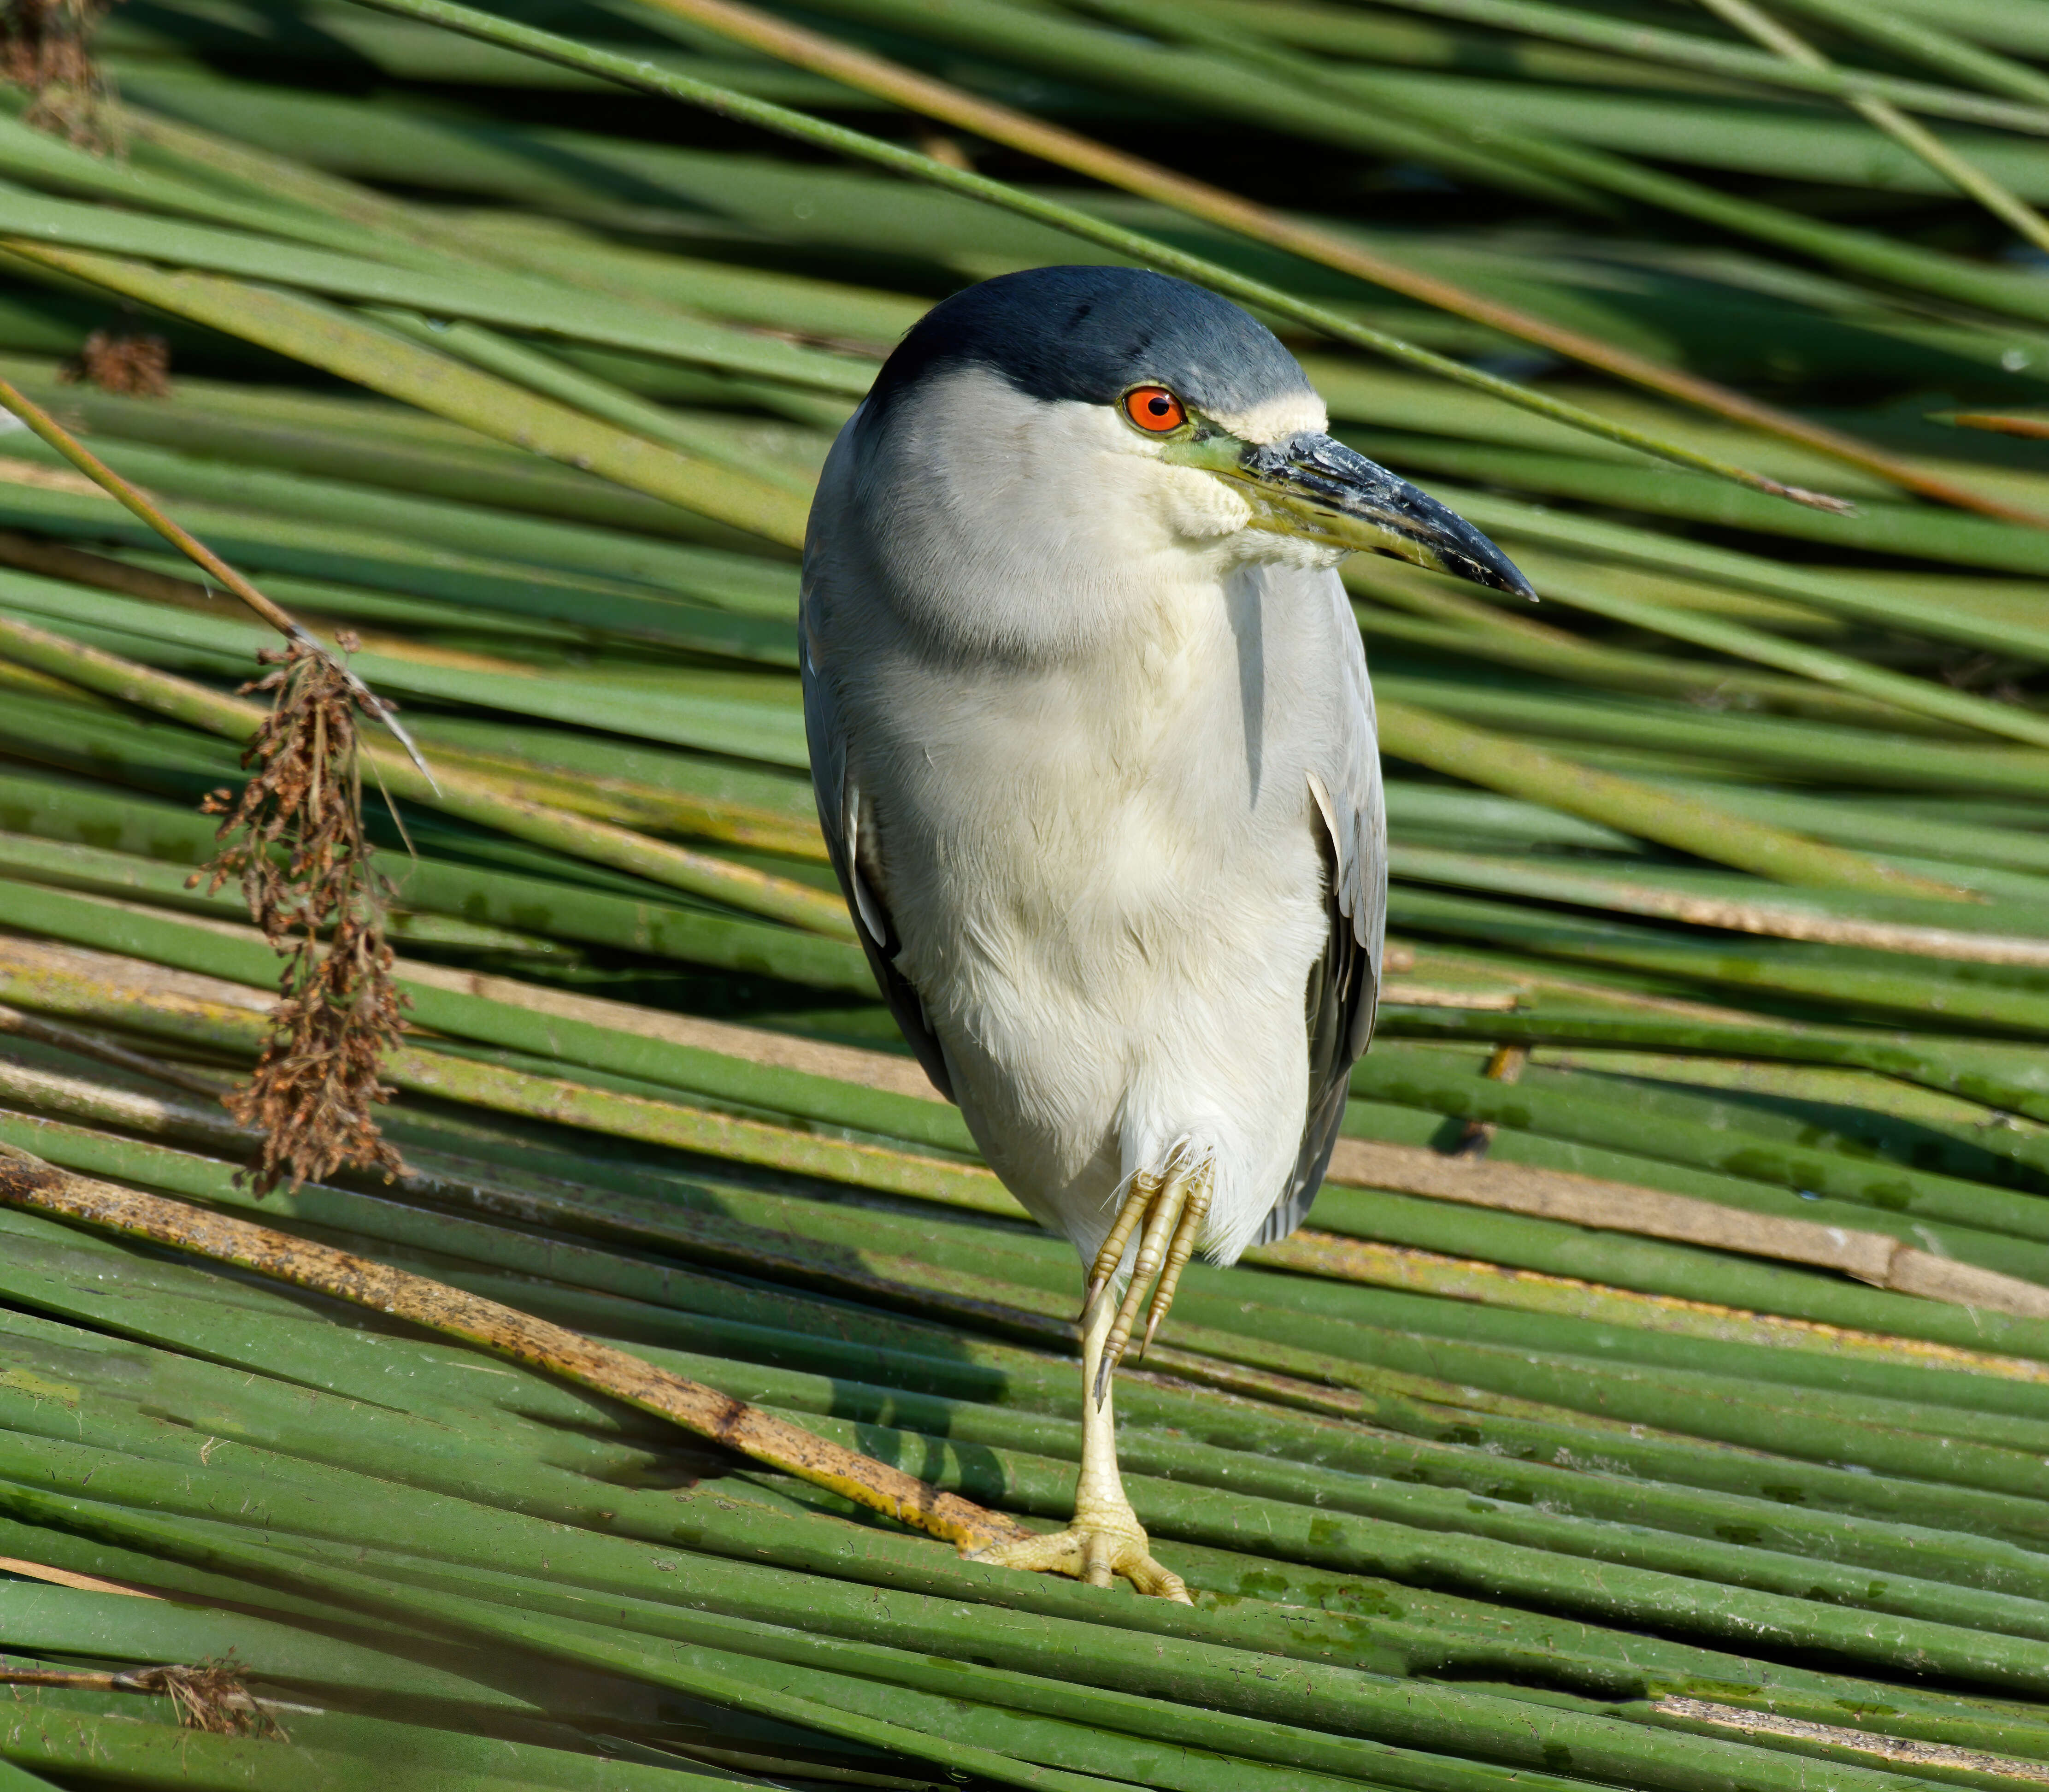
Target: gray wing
<point>851,844</point>
<point>1350,819</point>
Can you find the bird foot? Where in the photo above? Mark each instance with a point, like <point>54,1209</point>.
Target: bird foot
<point>1098,1548</point>
<point>1168,1213</point>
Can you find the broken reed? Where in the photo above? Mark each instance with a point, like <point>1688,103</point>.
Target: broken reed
<point>293,840</point>
<point>208,1695</point>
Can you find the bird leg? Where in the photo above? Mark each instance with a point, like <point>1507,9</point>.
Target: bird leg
<point>1105,1542</point>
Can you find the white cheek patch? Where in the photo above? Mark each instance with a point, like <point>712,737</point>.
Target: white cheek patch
<point>1277,418</point>
<point>1200,507</point>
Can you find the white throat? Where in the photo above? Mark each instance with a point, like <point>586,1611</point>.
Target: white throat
<point>970,465</point>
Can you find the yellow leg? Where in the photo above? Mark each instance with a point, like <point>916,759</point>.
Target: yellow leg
<point>1105,1542</point>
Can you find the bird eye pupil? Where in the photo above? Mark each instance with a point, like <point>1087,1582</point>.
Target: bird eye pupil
<point>1154,408</point>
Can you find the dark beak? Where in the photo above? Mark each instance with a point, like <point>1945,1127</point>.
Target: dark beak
<point>1313,486</point>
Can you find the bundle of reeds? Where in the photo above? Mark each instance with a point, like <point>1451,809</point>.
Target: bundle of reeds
<point>1659,1396</point>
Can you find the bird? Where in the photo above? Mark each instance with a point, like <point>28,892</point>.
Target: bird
<point>1093,744</point>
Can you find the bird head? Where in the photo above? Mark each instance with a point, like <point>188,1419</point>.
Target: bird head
<point>1095,417</point>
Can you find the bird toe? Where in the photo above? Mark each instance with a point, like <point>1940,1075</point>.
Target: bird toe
<point>1096,1555</point>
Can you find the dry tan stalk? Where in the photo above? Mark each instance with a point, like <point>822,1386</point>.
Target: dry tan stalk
<point>1937,1755</point>
<point>14,470</point>
<point>1429,995</point>
<point>1999,423</point>
<point>1425,1272</point>
<point>755,1045</point>
<point>64,1577</point>
<point>1909,132</point>
<point>1875,1257</point>
<point>1829,930</point>
<point>28,1182</point>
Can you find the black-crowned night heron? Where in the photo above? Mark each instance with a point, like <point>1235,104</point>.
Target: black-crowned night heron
<point>1093,748</point>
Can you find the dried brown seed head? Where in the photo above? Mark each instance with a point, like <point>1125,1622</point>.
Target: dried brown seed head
<point>294,841</point>
<point>132,364</point>
<point>209,1696</point>
<point>46,48</point>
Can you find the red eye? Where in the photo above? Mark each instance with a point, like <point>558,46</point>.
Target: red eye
<point>1154,409</point>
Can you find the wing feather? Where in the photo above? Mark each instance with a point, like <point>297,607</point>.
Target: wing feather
<point>853,844</point>
<point>1349,814</point>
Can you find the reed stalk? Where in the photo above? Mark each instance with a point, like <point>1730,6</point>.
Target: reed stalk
<point>27,1182</point>
<point>1517,769</point>
<point>1717,894</point>
<point>473,797</point>
<point>329,339</point>
<point>1957,169</point>
<point>1573,24</point>
<point>1079,224</point>
<point>951,105</point>
<point>1932,47</point>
